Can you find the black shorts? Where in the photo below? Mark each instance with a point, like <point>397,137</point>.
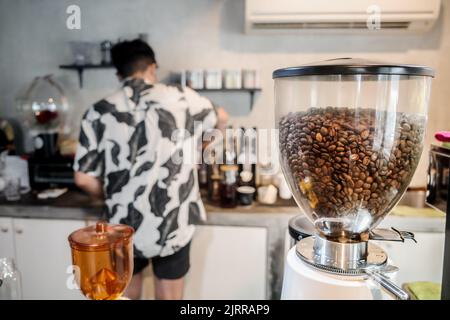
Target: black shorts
<point>171,267</point>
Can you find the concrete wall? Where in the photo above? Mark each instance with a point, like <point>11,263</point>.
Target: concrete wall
<point>196,34</point>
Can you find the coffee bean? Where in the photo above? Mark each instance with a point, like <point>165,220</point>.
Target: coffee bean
<point>374,156</point>
<point>365,134</point>
<point>359,183</point>
<point>319,137</point>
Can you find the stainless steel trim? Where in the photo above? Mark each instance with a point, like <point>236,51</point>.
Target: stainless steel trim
<point>350,259</point>
<point>340,255</point>
<point>387,284</point>
<point>331,255</point>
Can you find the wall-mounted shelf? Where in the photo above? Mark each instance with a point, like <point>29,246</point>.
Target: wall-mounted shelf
<point>250,91</point>
<point>80,69</point>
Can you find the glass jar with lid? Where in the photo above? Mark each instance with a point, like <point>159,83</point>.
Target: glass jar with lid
<point>350,137</point>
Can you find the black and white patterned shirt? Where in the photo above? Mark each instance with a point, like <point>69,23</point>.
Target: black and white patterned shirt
<point>149,178</point>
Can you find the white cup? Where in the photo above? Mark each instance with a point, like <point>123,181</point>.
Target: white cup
<point>283,189</point>
<point>267,194</point>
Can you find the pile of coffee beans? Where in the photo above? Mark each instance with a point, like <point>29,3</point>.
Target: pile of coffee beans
<point>343,160</point>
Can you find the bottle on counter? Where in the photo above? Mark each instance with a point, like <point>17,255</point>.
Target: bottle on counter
<point>10,285</point>
<point>246,157</point>
<point>205,168</point>
<point>228,186</point>
<point>213,182</point>
<point>203,175</point>
<point>229,146</point>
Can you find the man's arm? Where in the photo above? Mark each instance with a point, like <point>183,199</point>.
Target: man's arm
<point>89,184</point>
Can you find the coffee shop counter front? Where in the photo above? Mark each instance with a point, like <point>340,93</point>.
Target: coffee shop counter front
<point>236,254</point>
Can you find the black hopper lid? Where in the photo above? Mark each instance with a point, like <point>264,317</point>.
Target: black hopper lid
<point>353,66</point>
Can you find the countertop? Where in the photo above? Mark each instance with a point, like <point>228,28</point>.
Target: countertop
<point>73,205</point>
<point>79,206</point>
<point>76,205</point>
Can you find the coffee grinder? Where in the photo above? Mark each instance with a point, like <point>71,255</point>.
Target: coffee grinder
<point>350,138</point>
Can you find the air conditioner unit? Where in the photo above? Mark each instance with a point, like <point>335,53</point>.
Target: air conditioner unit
<point>341,16</point>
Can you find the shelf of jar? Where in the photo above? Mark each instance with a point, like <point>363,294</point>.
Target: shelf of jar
<point>79,68</point>
<point>250,91</point>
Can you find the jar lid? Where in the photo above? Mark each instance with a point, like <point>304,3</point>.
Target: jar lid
<point>348,66</point>
<point>229,167</point>
<point>246,189</point>
<point>100,236</point>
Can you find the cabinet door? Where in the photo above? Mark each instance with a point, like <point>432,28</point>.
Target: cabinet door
<point>227,263</point>
<point>44,258</point>
<point>6,238</point>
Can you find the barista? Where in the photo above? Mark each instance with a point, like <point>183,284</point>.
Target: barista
<point>127,155</point>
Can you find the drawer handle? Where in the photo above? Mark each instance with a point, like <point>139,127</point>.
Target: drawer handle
<point>4,229</point>
<point>19,230</point>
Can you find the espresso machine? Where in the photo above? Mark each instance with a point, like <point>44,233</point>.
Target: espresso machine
<point>350,138</point>
<point>438,188</point>
<point>43,110</point>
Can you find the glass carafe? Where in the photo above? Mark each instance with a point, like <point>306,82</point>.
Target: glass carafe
<point>10,285</point>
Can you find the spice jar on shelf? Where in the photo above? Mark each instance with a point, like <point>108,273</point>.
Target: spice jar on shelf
<point>213,79</point>
<point>232,79</point>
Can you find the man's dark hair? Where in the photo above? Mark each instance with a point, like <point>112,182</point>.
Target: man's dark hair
<point>132,56</point>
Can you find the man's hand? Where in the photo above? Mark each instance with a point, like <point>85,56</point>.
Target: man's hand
<point>222,118</point>
<point>89,184</point>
